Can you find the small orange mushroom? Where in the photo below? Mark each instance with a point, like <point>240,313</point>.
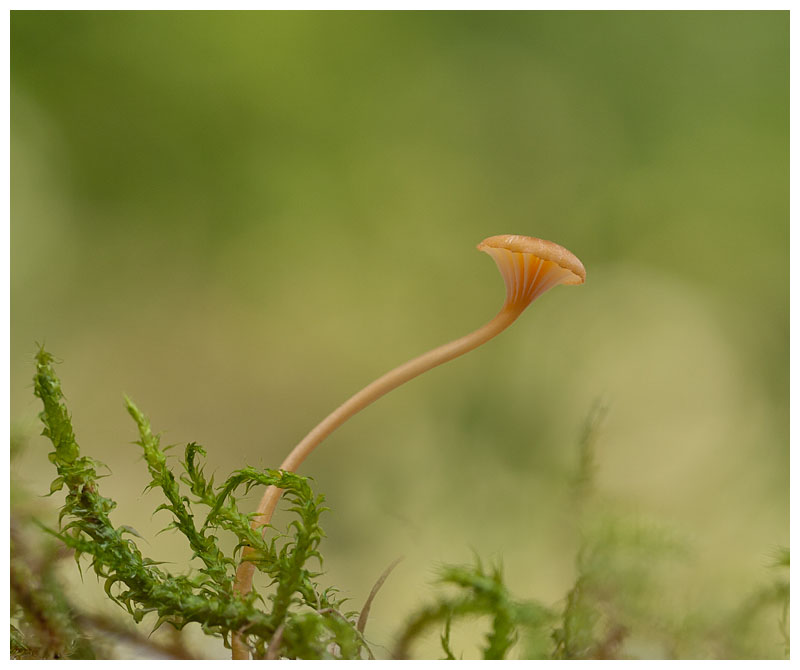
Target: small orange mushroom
<point>530,266</point>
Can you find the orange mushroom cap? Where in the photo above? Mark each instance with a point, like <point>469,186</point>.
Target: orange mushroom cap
<point>530,266</point>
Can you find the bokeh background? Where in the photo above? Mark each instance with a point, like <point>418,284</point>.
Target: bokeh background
<point>239,219</point>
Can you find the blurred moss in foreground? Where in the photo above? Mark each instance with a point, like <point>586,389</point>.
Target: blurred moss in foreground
<point>615,609</point>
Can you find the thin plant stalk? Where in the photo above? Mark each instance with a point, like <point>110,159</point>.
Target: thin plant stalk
<point>366,396</point>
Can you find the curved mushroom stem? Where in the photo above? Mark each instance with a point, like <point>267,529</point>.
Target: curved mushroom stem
<point>369,394</point>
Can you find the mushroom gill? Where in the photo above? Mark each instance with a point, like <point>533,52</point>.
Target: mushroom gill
<point>530,266</point>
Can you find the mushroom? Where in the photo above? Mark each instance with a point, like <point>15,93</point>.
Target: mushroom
<point>530,266</point>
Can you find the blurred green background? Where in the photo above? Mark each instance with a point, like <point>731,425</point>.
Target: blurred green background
<point>239,219</point>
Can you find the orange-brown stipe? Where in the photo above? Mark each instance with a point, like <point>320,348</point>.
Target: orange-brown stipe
<point>529,266</point>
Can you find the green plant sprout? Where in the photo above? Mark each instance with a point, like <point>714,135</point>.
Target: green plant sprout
<point>480,593</point>
<point>529,266</point>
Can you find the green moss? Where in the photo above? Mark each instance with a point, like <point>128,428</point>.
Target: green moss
<point>205,595</point>
<point>614,608</point>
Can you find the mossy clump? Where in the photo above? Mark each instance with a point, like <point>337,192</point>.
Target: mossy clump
<point>307,616</point>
